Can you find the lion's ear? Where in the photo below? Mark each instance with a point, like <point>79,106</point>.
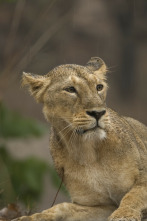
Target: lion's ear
<point>97,65</point>
<point>36,85</point>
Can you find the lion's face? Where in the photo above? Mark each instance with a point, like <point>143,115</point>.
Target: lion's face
<point>73,96</point>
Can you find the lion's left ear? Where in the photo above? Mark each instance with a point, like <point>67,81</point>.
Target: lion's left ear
<point>36,85</point>
<point>97,65</point>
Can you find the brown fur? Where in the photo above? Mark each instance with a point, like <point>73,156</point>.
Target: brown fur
<point>104,168</point>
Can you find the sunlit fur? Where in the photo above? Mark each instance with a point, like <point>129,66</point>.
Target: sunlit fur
<point>104,163</point>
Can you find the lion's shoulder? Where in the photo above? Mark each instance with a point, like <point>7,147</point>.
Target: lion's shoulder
<point>138,127</point>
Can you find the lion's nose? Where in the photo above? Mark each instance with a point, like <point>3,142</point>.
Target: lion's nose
<point>96,114</point>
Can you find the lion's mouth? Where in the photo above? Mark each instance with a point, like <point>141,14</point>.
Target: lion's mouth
<point>81,131</point>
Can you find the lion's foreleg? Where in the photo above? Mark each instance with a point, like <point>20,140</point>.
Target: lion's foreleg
<point>132,205</point>
<point>71,212</point>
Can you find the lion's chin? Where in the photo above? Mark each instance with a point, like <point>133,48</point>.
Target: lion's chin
<point>95,134</point>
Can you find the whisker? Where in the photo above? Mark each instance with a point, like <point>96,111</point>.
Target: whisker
<point>65,128</point>
<point>72,137</point>
<point>64,134</point>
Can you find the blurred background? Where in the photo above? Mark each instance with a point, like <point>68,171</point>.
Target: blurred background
<point>36,36</point>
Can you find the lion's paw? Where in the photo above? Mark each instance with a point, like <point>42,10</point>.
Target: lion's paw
<point>47,215</point>
<point>37,217</point>
<point>125,214</point>
<point>23,218</point>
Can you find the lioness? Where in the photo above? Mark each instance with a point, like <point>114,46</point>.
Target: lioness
<point>101,155</point>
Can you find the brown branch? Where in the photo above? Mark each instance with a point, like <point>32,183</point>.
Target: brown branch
<point>41,42</point>
<point>14,27</point>
<point>38,45</point>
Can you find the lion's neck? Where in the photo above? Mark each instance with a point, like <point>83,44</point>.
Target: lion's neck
<point>81,149</point>
<point>83,152</point>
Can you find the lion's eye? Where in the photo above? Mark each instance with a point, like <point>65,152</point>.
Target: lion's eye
<point>99,87</point>
<point>70,89</point>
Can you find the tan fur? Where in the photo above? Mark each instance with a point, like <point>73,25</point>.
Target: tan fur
<point>104,168</point>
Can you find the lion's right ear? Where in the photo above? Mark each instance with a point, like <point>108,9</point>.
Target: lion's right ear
<point>36,84</point>
<point>98,66</point>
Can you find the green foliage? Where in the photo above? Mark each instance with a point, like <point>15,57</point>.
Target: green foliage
<point>23,179</point>
<point>26,176</point>
<point>12,124</point>
<point>7,193</point>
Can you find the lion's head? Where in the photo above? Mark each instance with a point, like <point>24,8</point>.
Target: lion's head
<point>73,96</point>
